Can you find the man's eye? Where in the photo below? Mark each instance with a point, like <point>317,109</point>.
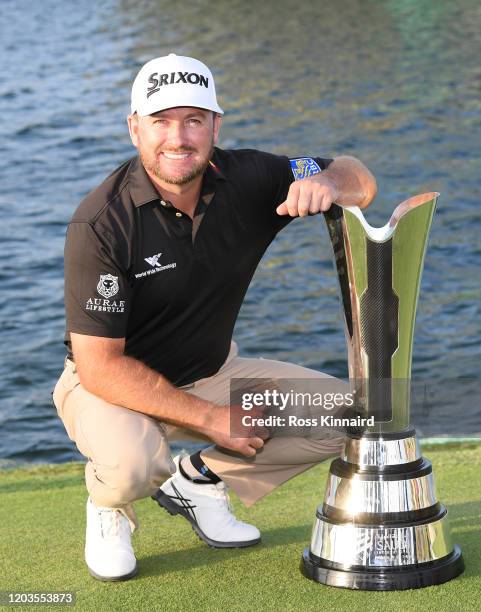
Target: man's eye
<point>159,122</point>
<point>194,121</point>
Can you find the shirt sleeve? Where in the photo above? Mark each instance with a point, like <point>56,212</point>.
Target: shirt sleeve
<point>279,172</point>
<point>97,291</point>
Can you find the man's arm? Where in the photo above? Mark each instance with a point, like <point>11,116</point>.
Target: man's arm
<point>105,371</point>
<point>346,182</point>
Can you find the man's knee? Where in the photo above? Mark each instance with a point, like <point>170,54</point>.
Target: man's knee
<point>301,450</point>
<point>129,477</point>
<point>328,446</point>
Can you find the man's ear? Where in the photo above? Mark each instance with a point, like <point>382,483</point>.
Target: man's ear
<point>133,123</point>
<point>217,124</point>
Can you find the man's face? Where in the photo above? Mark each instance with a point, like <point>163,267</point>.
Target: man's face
<point>175,145</point>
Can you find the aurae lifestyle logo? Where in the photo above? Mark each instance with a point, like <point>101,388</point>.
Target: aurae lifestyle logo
<point>105,305</point>
<point>107,287</point>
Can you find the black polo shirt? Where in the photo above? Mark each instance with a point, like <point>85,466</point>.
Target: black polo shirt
<point>136,267</point>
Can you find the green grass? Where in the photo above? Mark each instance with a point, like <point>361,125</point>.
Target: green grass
<point>42,521</point>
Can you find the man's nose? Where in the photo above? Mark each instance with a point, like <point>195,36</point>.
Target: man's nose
<point>176,135</point>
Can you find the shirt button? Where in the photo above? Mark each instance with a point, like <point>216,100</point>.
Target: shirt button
<point>163,203</point>
<point>178,214</point>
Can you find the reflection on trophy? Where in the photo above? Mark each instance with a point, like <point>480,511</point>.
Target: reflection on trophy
<point>380,526</point>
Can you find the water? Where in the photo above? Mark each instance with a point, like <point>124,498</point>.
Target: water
<point>396,83</point>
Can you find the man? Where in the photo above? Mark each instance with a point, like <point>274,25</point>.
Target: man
<point>157,261</point>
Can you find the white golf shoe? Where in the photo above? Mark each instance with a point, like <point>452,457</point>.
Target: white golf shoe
<point>108,550</point>
<point>207,508</point>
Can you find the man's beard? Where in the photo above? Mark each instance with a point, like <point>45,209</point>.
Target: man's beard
<point>153,167</point>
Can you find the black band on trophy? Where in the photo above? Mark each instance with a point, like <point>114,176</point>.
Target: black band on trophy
<point>370,435</point>
<point>366,519</point>
<point>382,578</point>
<point>404,471</point>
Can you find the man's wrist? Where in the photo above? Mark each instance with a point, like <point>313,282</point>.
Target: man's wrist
<point>204,414</point>
<point>182,409</point>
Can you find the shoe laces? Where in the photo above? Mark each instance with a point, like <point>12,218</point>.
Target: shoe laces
<point>222,495</point>
<point>111,523</point>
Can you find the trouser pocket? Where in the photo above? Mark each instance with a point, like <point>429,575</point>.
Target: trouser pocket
<point>67,382</point>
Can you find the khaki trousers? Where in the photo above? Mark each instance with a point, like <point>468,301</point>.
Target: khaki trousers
<point>129,455</point>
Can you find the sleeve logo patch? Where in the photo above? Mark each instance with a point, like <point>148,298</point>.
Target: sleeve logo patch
<point>302,167</point>
<point>108,285</point>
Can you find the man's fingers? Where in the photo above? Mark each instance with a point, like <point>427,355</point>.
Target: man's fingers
<point>314,206</point>
<point>307,197</point>
<point>256,442</point>
<point>248,446</point>
<point>326,202</point>
<point>304,200</point>
<point>316,200</point>
<point>261,432</point>
<point>290,205</point>
<point>291,201</point>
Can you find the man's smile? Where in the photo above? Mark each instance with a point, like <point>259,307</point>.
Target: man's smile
<point>176,155</point>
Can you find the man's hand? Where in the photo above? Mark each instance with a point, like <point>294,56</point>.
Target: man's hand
<point>226,421</point>
<point>346,181</point>
<point>309,196</point>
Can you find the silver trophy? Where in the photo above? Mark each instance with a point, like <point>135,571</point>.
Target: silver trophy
<point>381,526</point>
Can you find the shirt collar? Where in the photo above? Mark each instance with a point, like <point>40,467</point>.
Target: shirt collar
<point>141,188</point>
<point>143,191</point>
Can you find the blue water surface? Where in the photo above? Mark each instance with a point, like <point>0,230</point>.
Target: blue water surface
<point>395,83</point>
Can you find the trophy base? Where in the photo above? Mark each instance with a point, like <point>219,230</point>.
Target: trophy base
<point>380,526</point>
<point>383,579</point>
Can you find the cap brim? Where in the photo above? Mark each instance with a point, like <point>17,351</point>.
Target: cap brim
<point>152,109</point>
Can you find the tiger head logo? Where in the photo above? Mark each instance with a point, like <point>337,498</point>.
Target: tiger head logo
<point>108,285</point>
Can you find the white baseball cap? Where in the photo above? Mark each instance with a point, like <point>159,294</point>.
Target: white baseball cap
<point>173,80</point>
